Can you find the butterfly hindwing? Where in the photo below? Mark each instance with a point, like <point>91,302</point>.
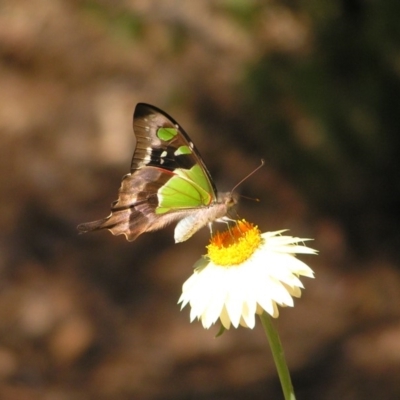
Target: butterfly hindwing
<point>134,211</point>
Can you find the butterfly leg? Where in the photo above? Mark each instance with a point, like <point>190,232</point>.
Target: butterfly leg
<point>210,228</point>
<point>225,220</point>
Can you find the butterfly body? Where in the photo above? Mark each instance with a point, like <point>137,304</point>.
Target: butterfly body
<point>168,182</point>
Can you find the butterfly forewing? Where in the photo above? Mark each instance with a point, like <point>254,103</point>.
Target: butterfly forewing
<point>161,142</point>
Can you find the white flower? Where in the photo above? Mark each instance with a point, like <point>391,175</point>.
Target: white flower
<point>245,273</point>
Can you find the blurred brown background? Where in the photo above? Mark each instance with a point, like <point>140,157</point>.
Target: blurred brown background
<point>312,87</point>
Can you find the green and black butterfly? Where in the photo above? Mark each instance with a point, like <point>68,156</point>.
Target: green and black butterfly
<point>168,182</point>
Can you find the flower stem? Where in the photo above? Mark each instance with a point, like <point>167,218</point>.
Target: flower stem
<point>279,357</point>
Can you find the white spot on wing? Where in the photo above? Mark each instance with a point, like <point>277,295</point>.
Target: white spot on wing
<point>147,157</point>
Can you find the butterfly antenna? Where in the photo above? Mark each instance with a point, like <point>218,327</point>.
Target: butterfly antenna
<point>248,175</point>
<point>250,198</point>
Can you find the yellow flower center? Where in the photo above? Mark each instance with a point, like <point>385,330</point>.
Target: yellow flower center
<point>235,245</point>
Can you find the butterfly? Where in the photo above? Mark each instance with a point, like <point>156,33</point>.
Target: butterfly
<point>168,182</point>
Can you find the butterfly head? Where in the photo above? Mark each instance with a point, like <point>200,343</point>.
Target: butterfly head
<point>230,199</point>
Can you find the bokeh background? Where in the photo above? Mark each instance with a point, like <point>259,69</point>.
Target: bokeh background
<point>313,87</point>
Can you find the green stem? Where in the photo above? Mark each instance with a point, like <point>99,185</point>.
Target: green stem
<point>279,357</point>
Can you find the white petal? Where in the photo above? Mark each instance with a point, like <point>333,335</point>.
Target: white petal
<point>225,320</point>
<point>248,315</point>
<point>276,311</point>
<point>234,308</point>
<point>294,291</point>
<point>264,300</point>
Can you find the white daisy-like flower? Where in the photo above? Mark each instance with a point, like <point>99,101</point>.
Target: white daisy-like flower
<point>245,273</point>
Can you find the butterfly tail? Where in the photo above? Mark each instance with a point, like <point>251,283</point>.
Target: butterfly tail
<point>91,226</point>
<point>118,223</point>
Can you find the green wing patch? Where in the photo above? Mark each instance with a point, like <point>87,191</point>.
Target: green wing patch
<point>166,134</point>
<point>182,150</point>
<point>188,188</point>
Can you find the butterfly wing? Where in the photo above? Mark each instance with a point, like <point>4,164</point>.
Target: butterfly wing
<point>161,142</point>
<point>168,178</point>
